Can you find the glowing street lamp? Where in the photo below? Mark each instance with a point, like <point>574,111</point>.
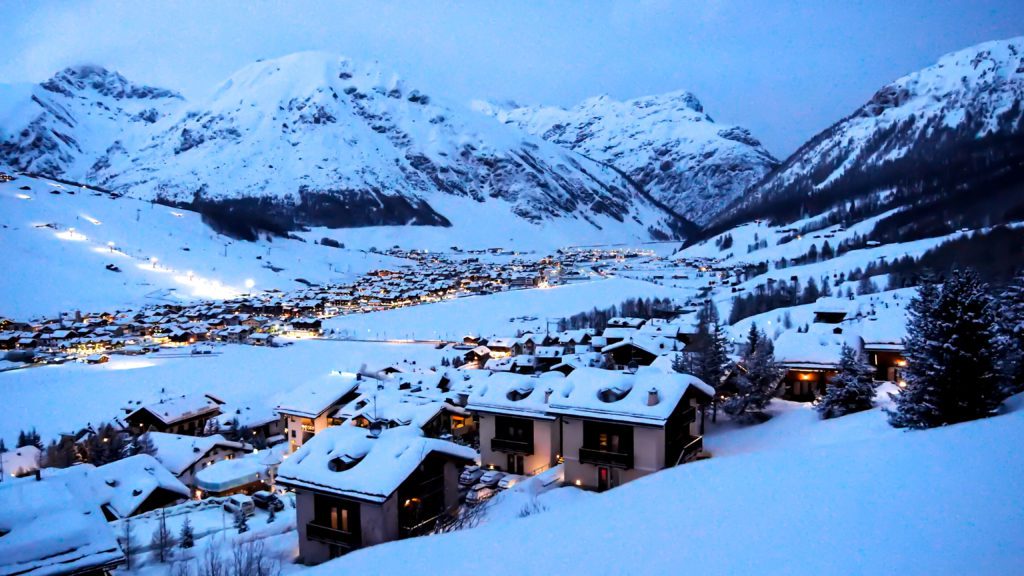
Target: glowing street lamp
<point>111,246</point>
<point>154,260</point>
<point>249,283</point>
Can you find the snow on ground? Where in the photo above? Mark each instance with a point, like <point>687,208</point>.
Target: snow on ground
<point>54,269</point>
<point>491,315</point>
<point>870,500</point>
<point>57,399</point>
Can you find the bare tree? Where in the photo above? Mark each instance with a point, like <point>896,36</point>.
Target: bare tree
<point>249,558</point>
<point>163,540</point>
<point>127,541</point>
<point>212,564</point>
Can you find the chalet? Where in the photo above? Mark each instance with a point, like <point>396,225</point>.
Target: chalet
<point>617,427</point>
<point>882,336</point>
<point>616,334</point>
<point>830,310</point>
<point>809,359</point>
<point>47,528</point>
<point>135,485</point>
<point>638,350</point>
<point>355,488</point>
<point>308,408</point>
<point>186,414</point>
<point>517,434</point>
<point>477,357</point>
<point>255,422</point>
<point>546,357</point>
<point>626,322</point>
<point>502,347</point>
<point>185,456</point>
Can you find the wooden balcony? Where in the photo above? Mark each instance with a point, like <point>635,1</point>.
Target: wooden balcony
<point>693,448</point>
<point>599,457</point>
<point>329,535</point>
<point>512,446</point>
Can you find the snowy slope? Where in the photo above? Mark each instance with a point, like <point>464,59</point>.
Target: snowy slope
<point>51,268</point>
<point>965,100</point>
<point>315,139</point>
<point>868,499</point>
<point>665,143</point>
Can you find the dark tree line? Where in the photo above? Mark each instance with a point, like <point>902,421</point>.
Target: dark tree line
<point>631,307</point>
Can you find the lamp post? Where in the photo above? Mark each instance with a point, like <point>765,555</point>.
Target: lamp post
<point>249,283</point>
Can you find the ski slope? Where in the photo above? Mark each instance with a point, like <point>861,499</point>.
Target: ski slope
<point>58,239</point>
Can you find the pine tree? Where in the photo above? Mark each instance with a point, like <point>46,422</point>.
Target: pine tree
<point>127,541</point>
<point>187,536</point>
<point>852,389</point>
<point>756,381</point>
<point>951,360</point>
<point>1011,334</point>
<point>142,444</point>
<point>3,447</point>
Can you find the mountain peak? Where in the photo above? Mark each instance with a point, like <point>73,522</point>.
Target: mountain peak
<point>77,79</point>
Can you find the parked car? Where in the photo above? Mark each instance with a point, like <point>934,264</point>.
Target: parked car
<point>509,480</point>
<point>491,478</point>
<point>479,493</point>
<point>470,475</point>
<point>240,502</point>
<point>266,501</point>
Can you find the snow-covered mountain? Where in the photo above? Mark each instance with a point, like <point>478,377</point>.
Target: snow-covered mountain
<point>315,139</point>
<point>666,144</point>
<point>958,121</point>
<point>62,126</point>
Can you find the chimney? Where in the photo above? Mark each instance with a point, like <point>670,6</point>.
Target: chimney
<point>652,396</point>
<point>547,395</point>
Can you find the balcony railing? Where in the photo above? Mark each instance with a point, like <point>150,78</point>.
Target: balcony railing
<point>329,535</point>
<point>692,449</point>
<point>513,446</point>
<point>599,457</point>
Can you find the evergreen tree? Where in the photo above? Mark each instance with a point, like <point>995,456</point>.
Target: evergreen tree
<point>127,542</point>
<point>187,536</point>
<point>756,380</point>
<point>60,454</point>
<point>30,438</point>
<point>951,361</point>
<point>3,447</point>
<point>852,389</point>
<point>142,444</point>
<point>1011,337</point>
<point>714,356</point>
<point>865,286</point>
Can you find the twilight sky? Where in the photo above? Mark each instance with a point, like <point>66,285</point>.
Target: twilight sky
<point>784,69</point>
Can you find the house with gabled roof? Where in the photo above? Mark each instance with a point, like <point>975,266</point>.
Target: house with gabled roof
<point>356,488</point>
<point>185,456</point>
<point>186,414</point>
<point>307,409</point>
<point>619,426</point>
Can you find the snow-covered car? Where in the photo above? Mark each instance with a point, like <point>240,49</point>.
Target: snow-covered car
<point>491,478</point>
<point>509,480</point>
<point>265,500</point>
<point>470,475</point>
<point>479,493</point>
<point>241,502</point>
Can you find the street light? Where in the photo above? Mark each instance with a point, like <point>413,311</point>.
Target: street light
<point>154,261</point>
<point>111,246</point>
<point>249,283</point>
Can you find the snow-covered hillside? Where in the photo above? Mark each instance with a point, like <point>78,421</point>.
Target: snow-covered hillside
<point>666,143</point>
<point>794,496</point>
<point>58,240</point>
<point>966,102</point>
<point>313,139</point>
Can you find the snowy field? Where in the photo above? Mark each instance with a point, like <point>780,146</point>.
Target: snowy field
<point>499,314</point>
<point>848,496</point>
<point>58,399</point>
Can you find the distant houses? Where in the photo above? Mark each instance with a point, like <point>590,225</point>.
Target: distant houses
<point>187,414</point>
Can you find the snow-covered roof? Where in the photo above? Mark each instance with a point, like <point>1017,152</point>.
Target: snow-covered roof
<point>624,397</point>
<point>48,530</point>
<point>656,345</point>
<point>125,484</point>
<point>177,452</point>
<point>248,416</point>
<point>26,459</point>
<point>516,394</point>
<point>885,331</point>
<point>816,349</point>
<point>347,461</point>
<point>316,396</point>
<point>171,410</point>
<point>232,473</point>
<point>833,305</point>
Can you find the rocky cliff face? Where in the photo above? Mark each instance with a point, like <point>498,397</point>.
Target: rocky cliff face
<point>667,144</point>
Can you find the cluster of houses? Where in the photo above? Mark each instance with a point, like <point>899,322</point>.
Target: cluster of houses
<point>376,456</point>
<point>257,319</point>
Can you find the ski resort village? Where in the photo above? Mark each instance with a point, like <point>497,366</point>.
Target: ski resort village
<point>322,322</point>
